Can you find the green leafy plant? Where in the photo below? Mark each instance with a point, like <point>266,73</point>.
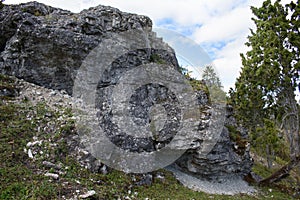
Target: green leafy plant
<point>155,58</point>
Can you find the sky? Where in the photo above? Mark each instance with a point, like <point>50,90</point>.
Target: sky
<point>219,27</point>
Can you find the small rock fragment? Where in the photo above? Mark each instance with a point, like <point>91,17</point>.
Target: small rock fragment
<point>88,194</point>
<point>51,165</point>
<point>146,180</point>
<point>29,144</point>
<point>104,170</point>
<point>53,93</point>
<point>30,153</point>
<point>159,176</point>
<point>52,175</point>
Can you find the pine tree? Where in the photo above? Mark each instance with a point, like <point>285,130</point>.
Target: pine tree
<point>270,74</point>
<point>210,77</point>
<point>213,83</point>
<point>267,141</point>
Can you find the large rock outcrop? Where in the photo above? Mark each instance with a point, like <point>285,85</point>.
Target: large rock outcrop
<point>47,46</point>
<point>229,158</point>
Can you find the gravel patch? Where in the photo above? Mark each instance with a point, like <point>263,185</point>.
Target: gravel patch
<point>231,186</point>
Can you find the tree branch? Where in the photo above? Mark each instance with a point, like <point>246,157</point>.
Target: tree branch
<point>281,173</point>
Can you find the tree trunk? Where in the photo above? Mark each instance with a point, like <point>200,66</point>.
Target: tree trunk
<point>290,121</point>
<point>269,156</point>
<point>281,173</point>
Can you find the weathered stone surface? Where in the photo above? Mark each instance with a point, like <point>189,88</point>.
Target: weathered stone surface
<point>229,157</point>
<point>46,46</point>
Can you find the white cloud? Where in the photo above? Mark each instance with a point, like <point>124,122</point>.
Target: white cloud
<point>183,12</point>
<point>226,27</point>
<point>228,62</point>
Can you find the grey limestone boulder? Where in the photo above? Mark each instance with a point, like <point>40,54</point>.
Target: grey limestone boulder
<point>46,46</point>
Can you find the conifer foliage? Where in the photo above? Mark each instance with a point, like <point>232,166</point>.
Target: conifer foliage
<point>214,85</point>
<point>269,80</point>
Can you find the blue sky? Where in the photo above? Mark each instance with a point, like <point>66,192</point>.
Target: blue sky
<point>219,27</point>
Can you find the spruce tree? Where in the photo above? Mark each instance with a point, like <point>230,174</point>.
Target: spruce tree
<point>214,85</point>
<point>210,77</point>
<point>270,74</point>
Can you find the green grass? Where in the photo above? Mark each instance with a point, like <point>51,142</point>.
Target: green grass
<point>155,58</point>
<point>285,186</point>
<point>23,178</point>
<point>262,170</point>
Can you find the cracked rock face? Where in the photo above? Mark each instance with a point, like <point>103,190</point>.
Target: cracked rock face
<point>46,46</point>
<point>229,157</point>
